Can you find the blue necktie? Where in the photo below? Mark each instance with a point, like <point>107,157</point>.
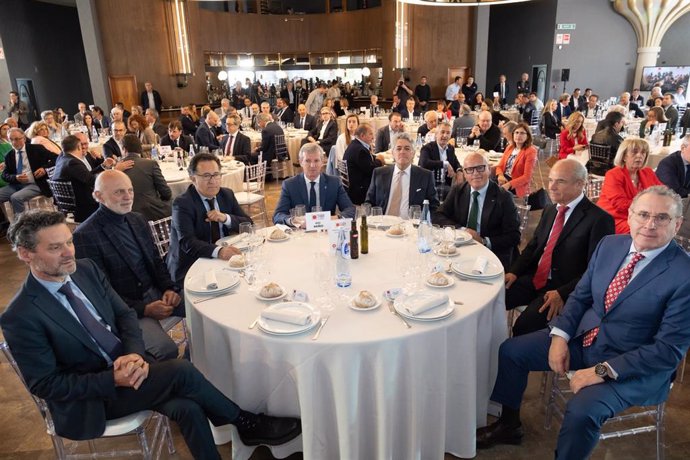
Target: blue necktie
<point>312,196</point>
<point>20,162</point>
<point>108,341</point>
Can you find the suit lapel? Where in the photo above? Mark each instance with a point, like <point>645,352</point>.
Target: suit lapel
<point>387,177</point>
<point>301,186</point>
<point>489,204</point>
<point>323,189</point>
<point>464,204</point>
<point>576,217</point>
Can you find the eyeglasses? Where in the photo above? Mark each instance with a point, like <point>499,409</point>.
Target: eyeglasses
<point>522,133</point>
<point>209,177</point>
<point>660,220</point>
<point>472,169</point>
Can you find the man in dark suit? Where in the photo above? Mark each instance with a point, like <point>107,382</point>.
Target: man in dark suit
<point>150,98</point>
<point>502,89</point>
<point>155,124</point>
<point>592,109</point>
<point>325,133</point>
<point>439,157</point>
<point>384,135</point>
<point>119,242</point>
<point>269,131</point>
<point>361,163</point>
<point>409,112</point>
<point>205,135</point>
<point>631,107</point>
<point>283,111</point>
<point>546,272</point>
<point>303,120</point>
<point>486,211</point>
<point>312,188</point>
<point>563,110</point>
<point>674,170</point>
<point>79,347</point>
<point>235,143</point>
<point>397,187</point>
<point>151,192</point>
<point>670,111</point>
<point>203,214</point>
<point>25,171</point>
<point>523,85</point>
<point>113,146</point>
<point>623,331</point>
<point>488,134</point>
<point>175,138</point>
<point>71,167</point>
<point>609,134</point>
<point>289,95</point>
<point>574,102</point>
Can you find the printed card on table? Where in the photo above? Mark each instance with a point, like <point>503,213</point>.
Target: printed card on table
<point>317,220</point>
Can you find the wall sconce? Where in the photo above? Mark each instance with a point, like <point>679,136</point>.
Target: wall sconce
<point>178,37</point>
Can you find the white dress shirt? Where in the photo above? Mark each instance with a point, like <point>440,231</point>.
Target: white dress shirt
<point>405,197</point>
<point>226,223</point>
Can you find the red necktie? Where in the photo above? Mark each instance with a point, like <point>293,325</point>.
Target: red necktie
<point>544,266</point>
<point>620,281</point>
<point>228,146</point>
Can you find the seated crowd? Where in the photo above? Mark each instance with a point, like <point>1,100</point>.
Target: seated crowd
<point>117,359</point>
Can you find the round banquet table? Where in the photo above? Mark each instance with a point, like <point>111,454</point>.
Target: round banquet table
<point>178,181</point>
<point>368,387</point>
<point>659,152</point>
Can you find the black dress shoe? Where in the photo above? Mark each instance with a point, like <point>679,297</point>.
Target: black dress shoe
<point>260,429</point>
<point>499,433</point>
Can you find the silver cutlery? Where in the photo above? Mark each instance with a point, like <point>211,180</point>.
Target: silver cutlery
<point>449,269</point>
<point>318,331</point>
<point>213,297</point>
<point>256,321</point>
<point>395,313</point>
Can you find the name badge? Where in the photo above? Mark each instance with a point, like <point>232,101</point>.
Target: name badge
<point>317,220</point>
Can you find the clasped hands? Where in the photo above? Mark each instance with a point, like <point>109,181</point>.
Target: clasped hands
<point>130,371</point>
<point>161,309</point>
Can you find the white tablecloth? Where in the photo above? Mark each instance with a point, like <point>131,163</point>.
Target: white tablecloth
<point>178,181</point>
<point>660,152</point>
<point>293,139</point>
<point>368,388</point>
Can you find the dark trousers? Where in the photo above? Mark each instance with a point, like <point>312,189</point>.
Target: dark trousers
<point>178,390</point>
<point>585,412</point>
<point>522,292</point>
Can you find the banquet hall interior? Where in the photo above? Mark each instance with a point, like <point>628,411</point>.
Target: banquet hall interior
<point>60,53</point>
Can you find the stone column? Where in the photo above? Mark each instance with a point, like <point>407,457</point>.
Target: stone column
<point>650,19</point>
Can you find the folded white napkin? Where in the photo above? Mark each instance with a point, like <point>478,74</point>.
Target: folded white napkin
<point>210,280</point>
<point>479,266</point>
<point>287,315</point>
<point>420,304</point>
<point>284,228</point>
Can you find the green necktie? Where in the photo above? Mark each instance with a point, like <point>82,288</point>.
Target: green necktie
<point>474,211</point>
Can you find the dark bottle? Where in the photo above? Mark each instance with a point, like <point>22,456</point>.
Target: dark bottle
<point>668,136</point>
<point>354,240</point>
<point>364,235</point>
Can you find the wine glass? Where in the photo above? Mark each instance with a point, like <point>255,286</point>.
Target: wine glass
<point>297,216</point>
<point>377,216</point>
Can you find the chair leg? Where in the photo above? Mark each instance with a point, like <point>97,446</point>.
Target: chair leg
<point>59,447</point>
<point>660,431</point>
<point>92,446</point>
<point>168,435</point>
<point>682,369</point>
<point>550,403</point>
<point>144,444</point>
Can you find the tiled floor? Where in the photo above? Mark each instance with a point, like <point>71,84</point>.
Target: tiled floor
<point>22,432</point>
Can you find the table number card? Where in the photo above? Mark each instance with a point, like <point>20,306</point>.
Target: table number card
<point>164,150</point>
<point>317,220</point>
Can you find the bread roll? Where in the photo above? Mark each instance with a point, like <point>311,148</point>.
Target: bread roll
<point>271,290</point>
<point>365,299</point>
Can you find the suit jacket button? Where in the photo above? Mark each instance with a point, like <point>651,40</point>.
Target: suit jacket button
<point>138,284</point>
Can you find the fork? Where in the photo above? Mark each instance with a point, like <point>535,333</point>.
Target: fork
<point>324,320</point>
<point>395,313</point>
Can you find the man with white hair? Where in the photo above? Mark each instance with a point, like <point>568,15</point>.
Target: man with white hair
<point>630,107</point>
<point>312,188</point>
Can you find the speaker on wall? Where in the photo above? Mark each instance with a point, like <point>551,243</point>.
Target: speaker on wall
<point>565,74</point>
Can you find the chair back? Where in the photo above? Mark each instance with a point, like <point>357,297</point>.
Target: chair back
<point>160,231</point>
<point>523,214</point>
<point>40,403</point>
<point>601,159</point>
<point>255,178</point>
<point>464,132</point>
<point>343,173</point>
<point>534,120</point>
<point>593,188</point>
<point>281,147</point>
<point>683,242</point>
<point>50,171</point>
<point>63,193</point>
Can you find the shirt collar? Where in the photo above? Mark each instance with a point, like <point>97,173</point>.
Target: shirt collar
<point>364,143</point>
<point>482,191</point>
<point>53,286</point>
<point>308,182</point>
<point>203,198</point>
<point>407,170</point>
<point>649,254</point>
<point>573,203</point>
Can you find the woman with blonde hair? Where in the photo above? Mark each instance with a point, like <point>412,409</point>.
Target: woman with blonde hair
<point>39,133</point>
<point>514,171</point>
<point>629,176</point>
<point>574,136</point>
<point>344,139</point>
<point>549,122</point>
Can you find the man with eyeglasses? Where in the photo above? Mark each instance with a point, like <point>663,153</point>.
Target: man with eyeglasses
<point>547,270</point>
<point>623,331</point>
<point>113,146</point>
<point>485,132</point>
<point>483,209</point>
<point>201,216</point>
<point>235,143</point>
<point>325,133</point>
<point>312,188</point>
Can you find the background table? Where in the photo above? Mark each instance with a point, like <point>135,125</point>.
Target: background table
<point>232,178</point>
<point>369,387</point>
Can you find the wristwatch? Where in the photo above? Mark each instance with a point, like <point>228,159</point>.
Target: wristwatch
<point>602,370</point>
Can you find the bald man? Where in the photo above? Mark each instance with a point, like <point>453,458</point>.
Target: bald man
<point>205,134</point>
<point>485,132</point>
<point>119,242</point>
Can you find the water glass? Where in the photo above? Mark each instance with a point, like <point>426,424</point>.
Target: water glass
<point>246,227</point>
<point>316,209</point>
<point>366,209</point>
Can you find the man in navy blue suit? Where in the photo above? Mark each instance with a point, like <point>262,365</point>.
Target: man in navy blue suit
<point>674,170</point>
<point>205,134</point>
<point>623,330</point>
<point>312,188</point>
<point>203,214</point>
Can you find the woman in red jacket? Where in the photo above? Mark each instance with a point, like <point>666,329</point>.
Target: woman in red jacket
<point>515,169</point>
<point>574,136</point>
<point>624,181</point>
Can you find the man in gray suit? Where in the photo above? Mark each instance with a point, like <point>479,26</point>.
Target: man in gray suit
<point>151,192</point>
<point>18,110</point>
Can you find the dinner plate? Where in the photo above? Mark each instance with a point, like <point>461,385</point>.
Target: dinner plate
<point>437,251</point>
<point>383,221</point>
<point>240,241</point>
<point>280,328</point>
<point>237,269</point>
<point>270,299</point>
<point>175,176</point>
<point>462,237</point>
<point>226,281</point>
<point>451,282</point>
<point>389,235</point>
<point>278,240</point>
<point>435,314</point>
<point>464,268</point>
<point>352,305</point>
